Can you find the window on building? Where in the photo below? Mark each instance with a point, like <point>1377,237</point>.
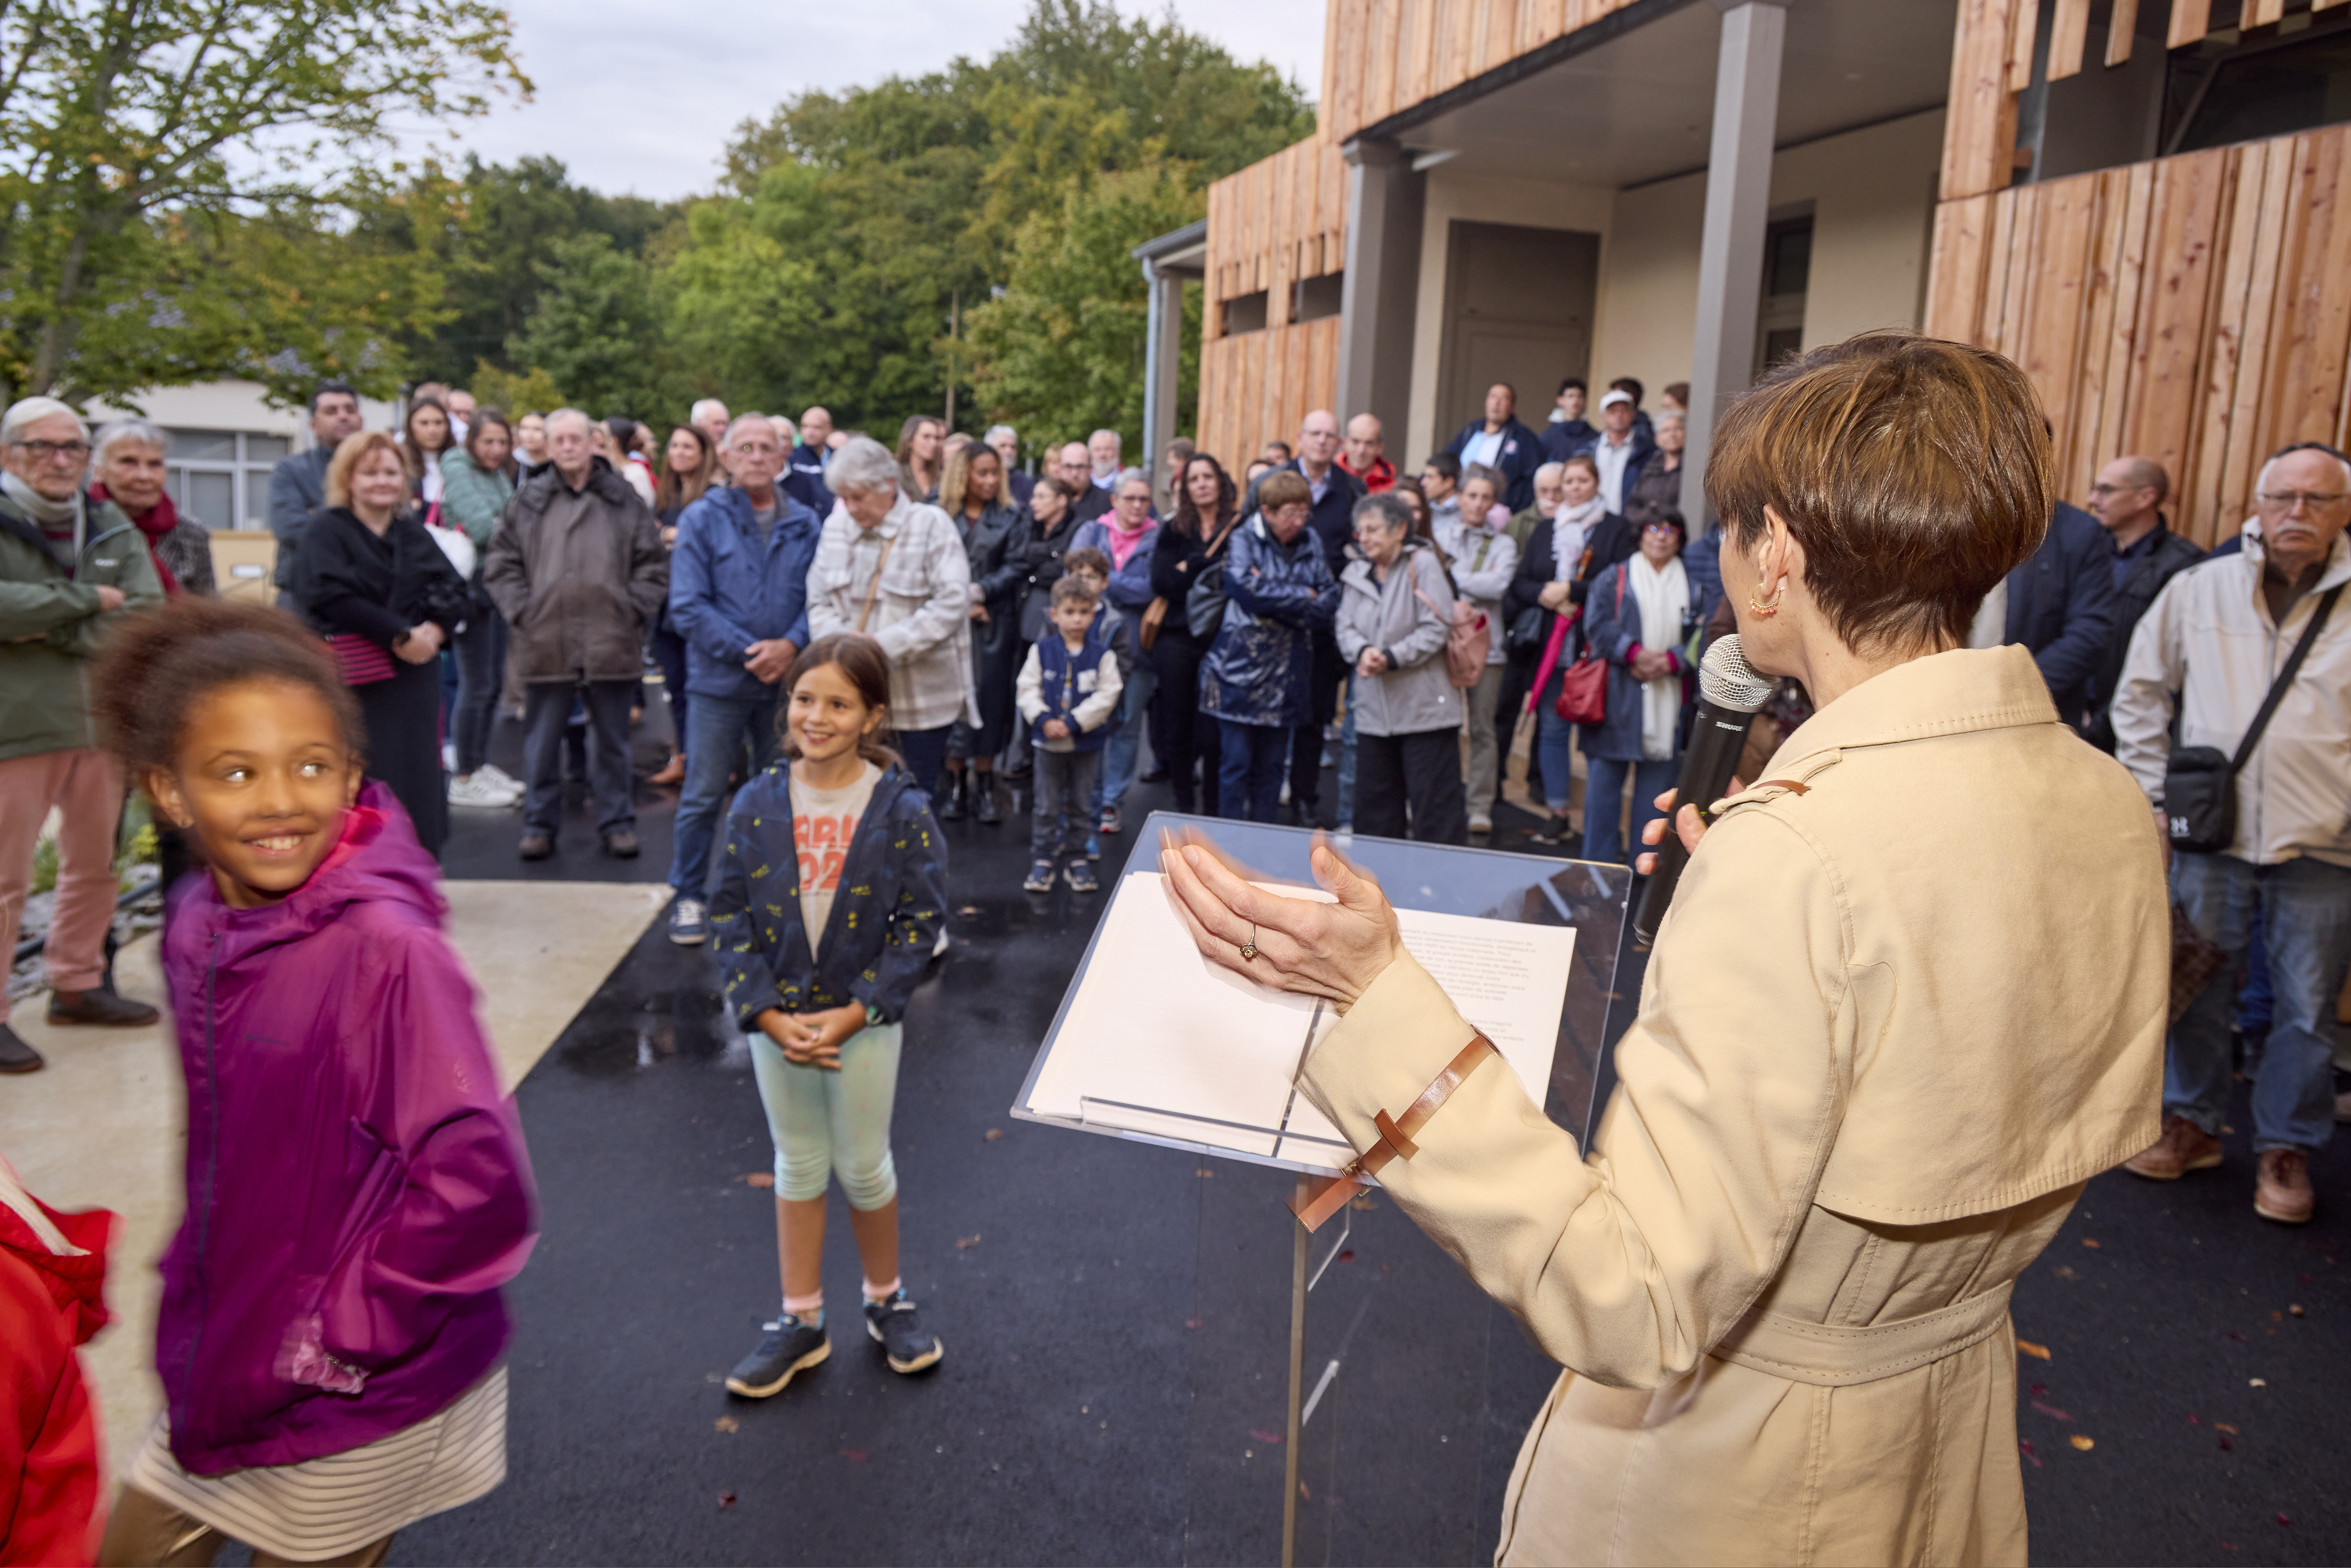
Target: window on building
<point>1312,298</point>
<point>221,478</point>
<point>2231,88</point>
<point>1787,274</point>
<point>1244,313</point>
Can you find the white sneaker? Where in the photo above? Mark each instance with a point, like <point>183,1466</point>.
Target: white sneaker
<point>499,777</point>
<point>476,791</point>
<point>1479,822</point>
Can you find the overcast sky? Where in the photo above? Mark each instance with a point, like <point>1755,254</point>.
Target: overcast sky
<point>642,99</point>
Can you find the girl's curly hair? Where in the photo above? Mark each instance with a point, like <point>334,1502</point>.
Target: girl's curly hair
<point>161,663</point>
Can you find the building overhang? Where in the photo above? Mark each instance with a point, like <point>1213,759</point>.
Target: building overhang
<point>1179,252</point>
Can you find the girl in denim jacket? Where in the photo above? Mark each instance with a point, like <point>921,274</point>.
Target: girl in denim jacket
<point>829,904</point>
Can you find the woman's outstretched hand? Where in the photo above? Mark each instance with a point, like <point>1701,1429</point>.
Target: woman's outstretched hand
<point>1686,827</point>
<point>1329,950</point>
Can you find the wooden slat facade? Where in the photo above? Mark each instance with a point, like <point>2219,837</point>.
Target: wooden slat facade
<point>1280,220</point>
<point>2194,309</point>
<point>1382,56</point>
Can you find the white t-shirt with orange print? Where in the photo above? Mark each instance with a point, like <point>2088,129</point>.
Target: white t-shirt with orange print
<point>824,823</point>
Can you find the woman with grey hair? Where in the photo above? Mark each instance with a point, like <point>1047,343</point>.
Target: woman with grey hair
<point>893,568</point>
<point>129,460</point>
<point>1128,534</point>
<point>1394,603</point>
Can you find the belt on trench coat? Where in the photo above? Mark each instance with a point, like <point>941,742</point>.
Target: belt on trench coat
<point>1833,1355</point>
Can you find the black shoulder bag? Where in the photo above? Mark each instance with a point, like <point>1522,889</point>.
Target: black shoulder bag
<point>2199,783</point>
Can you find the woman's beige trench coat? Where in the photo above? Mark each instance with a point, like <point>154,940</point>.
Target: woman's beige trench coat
<point>1910,997</point>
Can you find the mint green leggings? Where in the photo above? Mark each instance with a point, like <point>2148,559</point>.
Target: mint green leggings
<point>824,1123</point>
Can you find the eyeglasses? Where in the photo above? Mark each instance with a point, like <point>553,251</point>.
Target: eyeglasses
<point>51,451</point>
<point>2291,500</point>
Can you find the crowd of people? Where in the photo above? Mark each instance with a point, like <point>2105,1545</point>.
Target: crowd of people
<point>857,642</point>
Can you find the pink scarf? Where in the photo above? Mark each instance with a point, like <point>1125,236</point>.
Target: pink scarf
<point>1121,543</point>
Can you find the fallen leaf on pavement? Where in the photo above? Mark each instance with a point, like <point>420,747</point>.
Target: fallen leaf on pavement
<point>727,1424</point>
<point>2081,1442</point>
<point>1304,1493</point>
<point>760,1178</point>
<point>964,1243</point>
<point>854,1456</point>
<point>2067,1271</point>
<point>2224,1445</point>
<point>1204,1173</point>
<point>1193,1322</point>
<point>2025,1445</point>
<point>727,1499</point>
<point>2050,1411</point>
<point>2284,1520</point>
<point>1267,1438</point>
<point>2040,1389</point>
<point>968,909</point>
<point>2295,1310</point>
<point>2224,1426</point>
<point>2257,1383</point>
<point>2040,1352</point>
<point>993,1134</point>
<point>2090,1242</point>
<point>1348,1256</point>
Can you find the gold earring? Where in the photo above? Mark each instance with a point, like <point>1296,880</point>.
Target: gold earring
<point>1765,612</point>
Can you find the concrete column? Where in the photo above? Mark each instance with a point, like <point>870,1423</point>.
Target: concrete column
<point>1378,295</point>
<point>1162,360</point>
<point>1737,202</point>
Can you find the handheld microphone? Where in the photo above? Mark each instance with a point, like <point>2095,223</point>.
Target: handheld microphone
<point>1729,691</point>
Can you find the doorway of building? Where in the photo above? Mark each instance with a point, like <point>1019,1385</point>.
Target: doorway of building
<point>1518,308</point>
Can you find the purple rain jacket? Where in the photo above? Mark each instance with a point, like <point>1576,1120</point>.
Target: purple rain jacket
<point>358,1187</point>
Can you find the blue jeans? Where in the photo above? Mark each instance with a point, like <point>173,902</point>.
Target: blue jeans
<point>719,730</point>
<point>1248,774</point>
<point>2302,908</point>
<point>1125,748</point>
<point>481,669</point>
<point>1604,802</point>
<point>1347,759</point>
<point>1555,748</point>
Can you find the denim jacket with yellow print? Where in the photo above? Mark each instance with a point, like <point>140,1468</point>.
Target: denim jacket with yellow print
<point>886,918</point>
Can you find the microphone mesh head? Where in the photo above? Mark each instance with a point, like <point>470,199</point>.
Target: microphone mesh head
<point>1727,680</point>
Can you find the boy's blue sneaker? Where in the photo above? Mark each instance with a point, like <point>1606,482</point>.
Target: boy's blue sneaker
<point>1040,877</point>
<point>787,1347</point>
<point>1080,877</point>
<point>1094,846</point>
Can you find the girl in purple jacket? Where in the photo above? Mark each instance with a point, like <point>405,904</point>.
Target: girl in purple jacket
<point>331,1327</point>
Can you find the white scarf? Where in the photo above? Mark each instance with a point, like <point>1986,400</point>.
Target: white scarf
<point>1569,528</point>
<point>1664,599</point>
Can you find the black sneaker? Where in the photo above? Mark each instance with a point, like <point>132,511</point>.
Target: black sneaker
<point>787,1348</point>
<point>16,1055</point>
<point>897,1328</point>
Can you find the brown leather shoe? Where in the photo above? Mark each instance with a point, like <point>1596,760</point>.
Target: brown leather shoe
<point>621,846</point>
<point>2284,1193</point>
<point>2184,1147</point>
<point>672,772</point>
<point>536,846</point>
<point>99,1005</point>
<point>15,1054</point>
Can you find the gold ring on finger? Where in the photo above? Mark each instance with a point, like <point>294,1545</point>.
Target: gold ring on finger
<point>1248,948</point>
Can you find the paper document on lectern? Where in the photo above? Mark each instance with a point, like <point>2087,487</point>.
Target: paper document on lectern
<point>1158,1041</point>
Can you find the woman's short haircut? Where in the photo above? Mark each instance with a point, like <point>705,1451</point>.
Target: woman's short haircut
<point>113,434</point>
<point>1390,508</point>
<point>863,464</point>
<point>1479,471</point>
<point>351,454</point>
<point>1130,476</point>
<point>1287,488</point>
<point>1916,473</point>
<point>1583,460</point>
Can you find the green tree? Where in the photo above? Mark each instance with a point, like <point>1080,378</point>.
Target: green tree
<point>124,124</point>
<point>1061,350</point>
<point>596,330</point>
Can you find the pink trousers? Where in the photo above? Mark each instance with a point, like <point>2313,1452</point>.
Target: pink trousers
<point>86,788</point>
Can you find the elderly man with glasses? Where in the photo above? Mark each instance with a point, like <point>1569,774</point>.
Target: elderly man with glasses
<point>70,568</point>
<point>2216,641</point>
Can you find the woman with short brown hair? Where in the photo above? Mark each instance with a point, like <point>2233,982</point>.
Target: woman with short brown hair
<point>1911,995</point>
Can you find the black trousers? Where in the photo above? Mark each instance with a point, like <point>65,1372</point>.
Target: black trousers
<point>1182,737</point>
<point>1415,776</point>
<point>1306,748</point>
<point>1517,675</point>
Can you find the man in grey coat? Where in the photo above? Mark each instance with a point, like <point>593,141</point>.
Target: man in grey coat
<point>298,485</point>
<point>577,568</point>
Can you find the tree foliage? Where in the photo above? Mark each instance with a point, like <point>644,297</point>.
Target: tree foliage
<point>150,148</point>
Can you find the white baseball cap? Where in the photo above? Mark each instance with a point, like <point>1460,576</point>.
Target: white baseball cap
<point>1616,395</point>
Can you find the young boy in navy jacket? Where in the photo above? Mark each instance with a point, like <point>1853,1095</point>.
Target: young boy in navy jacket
<point>1067,693</point>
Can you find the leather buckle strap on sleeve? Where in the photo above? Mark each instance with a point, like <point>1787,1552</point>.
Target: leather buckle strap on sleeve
<point>1395,1139</point>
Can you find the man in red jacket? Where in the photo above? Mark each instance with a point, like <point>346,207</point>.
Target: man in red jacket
<point>1365,456</point>
<point>52,1276</point>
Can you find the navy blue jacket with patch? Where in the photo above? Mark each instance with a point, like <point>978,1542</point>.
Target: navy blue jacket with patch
<point>886,918</point>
